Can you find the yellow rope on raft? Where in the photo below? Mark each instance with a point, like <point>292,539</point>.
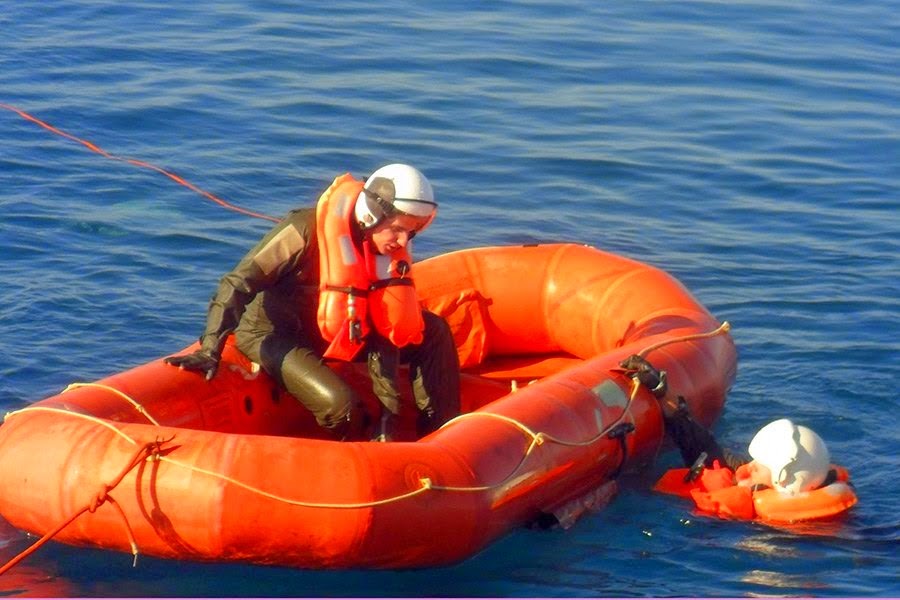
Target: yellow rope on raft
<point>153,451</point>
<point>64,411</point>
<point>725,327</point>
<point>119,393</point>
<point>537,439</point>
<point>426,483</point>
<point>425,487</point>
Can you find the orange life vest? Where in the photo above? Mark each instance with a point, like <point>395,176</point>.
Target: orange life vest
<point>716,491</point>
<point>358,288</point>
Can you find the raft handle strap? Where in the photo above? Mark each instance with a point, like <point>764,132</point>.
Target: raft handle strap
<point>619,432</point>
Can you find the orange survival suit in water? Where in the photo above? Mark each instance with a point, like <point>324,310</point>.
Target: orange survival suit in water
<point>717,491</point>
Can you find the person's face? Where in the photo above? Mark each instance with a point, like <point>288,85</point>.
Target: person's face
<point>395,233</point>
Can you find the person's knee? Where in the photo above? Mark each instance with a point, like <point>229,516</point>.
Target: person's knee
<point>328,397</point>
<point>332,407</point>
<point>436,328</point>
<point>438,340</point>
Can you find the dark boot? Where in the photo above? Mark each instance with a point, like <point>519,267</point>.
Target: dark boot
<point>387,428</point>
<point>426,423</point>
<point>352,428</point>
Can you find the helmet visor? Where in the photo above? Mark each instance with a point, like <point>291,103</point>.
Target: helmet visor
<point>381,192</point>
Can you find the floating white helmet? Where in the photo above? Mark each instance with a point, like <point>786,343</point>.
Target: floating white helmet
<point>796,456</point>
<point>395,189</point>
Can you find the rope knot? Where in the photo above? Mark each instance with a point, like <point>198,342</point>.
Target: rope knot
<point>99,498</point>
<point>643,373</point>
<point>154,451</point>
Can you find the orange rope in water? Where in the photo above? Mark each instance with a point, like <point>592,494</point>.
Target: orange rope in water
<point>137,163</point>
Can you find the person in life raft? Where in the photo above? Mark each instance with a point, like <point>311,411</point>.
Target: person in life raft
<point>333,282</point>
<point>787,478</point>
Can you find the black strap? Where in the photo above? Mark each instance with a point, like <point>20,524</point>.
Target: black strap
<point>347,290</point>
<point>383,283</point>
<point>620,431</point>
<point>696,468</point>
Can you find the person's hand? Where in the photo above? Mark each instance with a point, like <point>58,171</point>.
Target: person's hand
<point>200,361</point>
<point>696,468</point>
<point>649,377</point>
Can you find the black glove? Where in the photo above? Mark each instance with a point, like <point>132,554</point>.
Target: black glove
<point>651,378</point>
<point>696,468</point>
<point>200,360</point>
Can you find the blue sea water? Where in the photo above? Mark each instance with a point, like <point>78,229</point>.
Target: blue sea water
<point>751,148</point>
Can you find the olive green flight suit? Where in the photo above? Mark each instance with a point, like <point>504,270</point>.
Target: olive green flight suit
<point>269,300</point>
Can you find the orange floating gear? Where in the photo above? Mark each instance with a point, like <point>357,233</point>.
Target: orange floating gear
<point>822,502</point>
<point>716,492</point>
<point>357,285</point>
<point>393,304</point>
<point>730,502</point>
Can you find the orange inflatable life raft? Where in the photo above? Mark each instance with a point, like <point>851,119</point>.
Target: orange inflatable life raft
<point>159,461</point>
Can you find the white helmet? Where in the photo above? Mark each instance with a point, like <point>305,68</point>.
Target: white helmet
<point>796,456</point>
<point>395,189</point>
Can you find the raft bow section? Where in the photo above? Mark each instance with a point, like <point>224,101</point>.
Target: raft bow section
<point>170,465</point>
